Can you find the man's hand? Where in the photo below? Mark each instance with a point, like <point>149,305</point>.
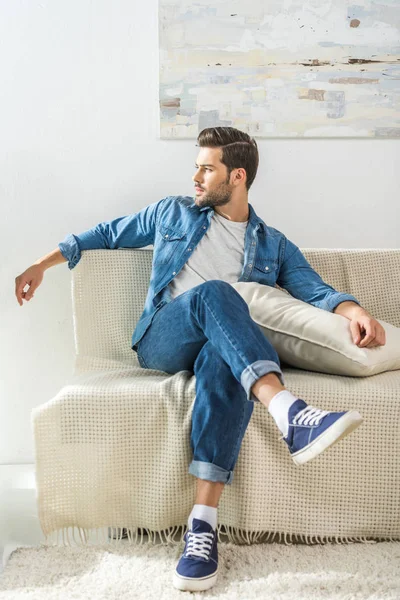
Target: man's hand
<point>33,276</point>
<point>364,327</point>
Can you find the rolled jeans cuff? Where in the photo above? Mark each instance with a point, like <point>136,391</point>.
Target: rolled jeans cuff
<point>209,471</point>
<point>256,370</point>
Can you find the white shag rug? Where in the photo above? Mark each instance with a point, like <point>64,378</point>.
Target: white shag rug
<point>274,571</point>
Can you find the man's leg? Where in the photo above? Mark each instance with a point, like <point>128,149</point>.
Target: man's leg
<point>267,387</point>
<point>220,415</point>
<point>209,492</point>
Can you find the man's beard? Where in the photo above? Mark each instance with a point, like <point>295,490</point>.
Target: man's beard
<point>219,197</point>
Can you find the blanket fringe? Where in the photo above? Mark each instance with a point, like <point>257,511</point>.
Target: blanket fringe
<point>140,535</point>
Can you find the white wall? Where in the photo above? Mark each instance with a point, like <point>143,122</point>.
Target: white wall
<point>79,144</point>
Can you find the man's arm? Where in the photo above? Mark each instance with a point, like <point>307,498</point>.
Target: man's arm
<point>301,281</point>
<point>51,260</point>
<point>297,276</point>
<point>132,231</point>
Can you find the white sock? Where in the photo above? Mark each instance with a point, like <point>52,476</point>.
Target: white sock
<point>279,409</point>
<point>205,513</point>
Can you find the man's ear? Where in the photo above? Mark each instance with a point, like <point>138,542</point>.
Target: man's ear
<point>240,174</point>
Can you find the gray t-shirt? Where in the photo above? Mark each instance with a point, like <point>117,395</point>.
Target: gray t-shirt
<point>218,255</point>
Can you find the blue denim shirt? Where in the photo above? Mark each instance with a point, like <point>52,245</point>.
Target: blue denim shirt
<point>174,226</point>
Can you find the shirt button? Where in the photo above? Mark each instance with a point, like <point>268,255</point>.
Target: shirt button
<point>166,235</point>
<point>174,273</point>
<point>267,268</point>
<point>189,249</point>
<point>204,226</point>
<point>250,265</point>
<point>253,243</point>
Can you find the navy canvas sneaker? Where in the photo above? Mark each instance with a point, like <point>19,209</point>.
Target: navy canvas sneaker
<point>312,430</point>
<point>198,566</point>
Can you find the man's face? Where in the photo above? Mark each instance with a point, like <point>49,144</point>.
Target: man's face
<point>212,177</point>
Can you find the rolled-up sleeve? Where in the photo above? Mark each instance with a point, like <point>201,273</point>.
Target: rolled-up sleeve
<point>132,231</point>
<point>301,281</point>
<point>70,250</point>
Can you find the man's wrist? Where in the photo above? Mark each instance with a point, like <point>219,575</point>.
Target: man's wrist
<point>348,309</point>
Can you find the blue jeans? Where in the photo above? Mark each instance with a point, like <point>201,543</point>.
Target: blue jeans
<point>208,330</point>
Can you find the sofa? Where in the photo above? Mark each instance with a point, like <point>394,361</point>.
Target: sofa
<point>112,447</point>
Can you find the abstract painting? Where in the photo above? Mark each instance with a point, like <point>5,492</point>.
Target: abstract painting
<point>284,68</point>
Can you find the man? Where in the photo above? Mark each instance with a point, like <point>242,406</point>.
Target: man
<point>195,320</point>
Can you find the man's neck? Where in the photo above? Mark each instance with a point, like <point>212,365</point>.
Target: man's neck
<point>240,214</point>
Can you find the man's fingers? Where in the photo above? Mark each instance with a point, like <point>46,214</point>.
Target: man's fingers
<point>376,338</point>
<point>19,292</point>
<point>355,331</point>
<point>369,337</point>
<point>26,295</point>
<point>32,278</point>
<point>372,337</point>
<point>29,294</point>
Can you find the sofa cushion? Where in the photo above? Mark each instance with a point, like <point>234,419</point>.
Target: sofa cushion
<point>314,339</point>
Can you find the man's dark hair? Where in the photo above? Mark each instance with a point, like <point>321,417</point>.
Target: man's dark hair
<point>239,150</point>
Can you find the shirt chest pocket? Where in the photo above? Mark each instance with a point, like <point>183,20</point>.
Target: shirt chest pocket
<point>167,243</point>
<point>265,270</point>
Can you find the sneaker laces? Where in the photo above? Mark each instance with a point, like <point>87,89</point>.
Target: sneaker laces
<point>310,415</point>
<point>199,544</point>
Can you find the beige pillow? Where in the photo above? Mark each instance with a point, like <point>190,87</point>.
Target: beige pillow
<point>314,339</point>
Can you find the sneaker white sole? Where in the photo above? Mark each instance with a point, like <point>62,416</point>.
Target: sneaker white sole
<point>342,427</point>
<point>194,585</point>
